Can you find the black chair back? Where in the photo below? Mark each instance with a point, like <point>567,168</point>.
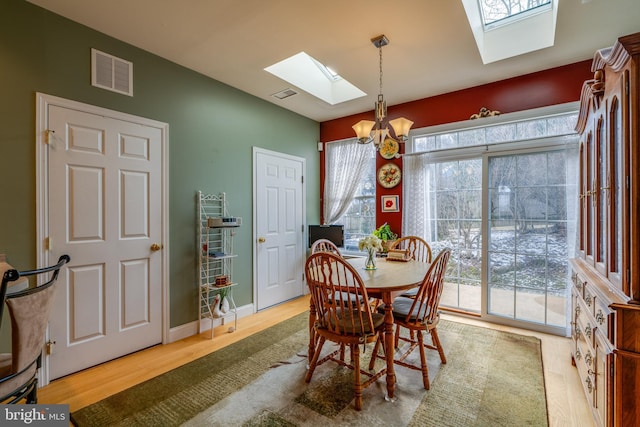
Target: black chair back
<point>29,310</point>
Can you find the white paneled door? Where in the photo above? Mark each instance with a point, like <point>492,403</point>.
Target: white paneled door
<point>105,211</point>
<point>279,226</point>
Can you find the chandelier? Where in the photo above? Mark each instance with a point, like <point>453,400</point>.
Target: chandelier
<point>377,131</point>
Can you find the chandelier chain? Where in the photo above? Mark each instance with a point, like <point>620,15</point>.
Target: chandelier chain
<point>380,52</point>
<point>376,131</point>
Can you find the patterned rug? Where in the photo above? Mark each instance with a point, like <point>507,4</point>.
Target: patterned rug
<point>491,378</point>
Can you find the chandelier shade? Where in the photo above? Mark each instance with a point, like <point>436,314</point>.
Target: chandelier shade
<point>377,131</point>
<point>363,130</point>
<point>401,127</point>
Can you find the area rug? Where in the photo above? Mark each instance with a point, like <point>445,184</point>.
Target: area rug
<point>491,378</point>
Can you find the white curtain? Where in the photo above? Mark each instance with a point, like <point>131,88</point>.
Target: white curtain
<point>416,202</point>
<point>346,163</point>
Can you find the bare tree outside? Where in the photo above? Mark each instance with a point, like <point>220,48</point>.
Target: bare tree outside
<point>495,10</point>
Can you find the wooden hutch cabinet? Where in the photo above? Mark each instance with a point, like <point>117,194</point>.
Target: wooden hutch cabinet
<point>605,294</point>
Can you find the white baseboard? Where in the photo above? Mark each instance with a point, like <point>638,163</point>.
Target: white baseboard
<point>199,326</point>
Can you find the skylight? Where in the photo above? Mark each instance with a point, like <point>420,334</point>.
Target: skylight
<point>506,28</point>
<point>315,78</point>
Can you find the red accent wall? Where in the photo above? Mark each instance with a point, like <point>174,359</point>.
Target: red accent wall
<point>544,88</point>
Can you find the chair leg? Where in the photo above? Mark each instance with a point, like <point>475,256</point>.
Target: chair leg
<point>357,387</point>
<point>436,342</point>
<point>375,354</point>
<point>32,397</point>
<point>423,361</point>
<point>396,337</point>
<point>314,361</point>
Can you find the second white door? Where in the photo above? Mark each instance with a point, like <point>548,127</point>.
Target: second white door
<point>279,225</point>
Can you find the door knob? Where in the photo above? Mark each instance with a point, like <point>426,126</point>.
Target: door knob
<point>156,247</point>
<point>261,240</point>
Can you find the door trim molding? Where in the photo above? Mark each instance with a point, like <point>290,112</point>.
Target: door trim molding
<point>43,101</point>
<point>303,161</point>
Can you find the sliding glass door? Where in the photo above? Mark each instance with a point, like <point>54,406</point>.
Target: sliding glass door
<point>527,237</point>
<point>524,260</point>
<point>456,222</point>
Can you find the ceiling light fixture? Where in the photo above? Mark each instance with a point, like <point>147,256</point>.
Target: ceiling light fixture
<point>376,131</point>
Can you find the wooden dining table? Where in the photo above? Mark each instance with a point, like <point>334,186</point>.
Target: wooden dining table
<point>389,279</point>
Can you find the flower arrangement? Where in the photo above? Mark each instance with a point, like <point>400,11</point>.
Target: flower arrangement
<point>371,244</point>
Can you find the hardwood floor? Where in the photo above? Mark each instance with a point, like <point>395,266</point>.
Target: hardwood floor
<point>566,402</point>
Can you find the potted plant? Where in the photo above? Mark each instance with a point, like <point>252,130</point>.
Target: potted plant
<point>385,234</point>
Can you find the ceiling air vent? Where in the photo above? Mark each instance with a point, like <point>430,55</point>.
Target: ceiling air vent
<point>285,94</point>
<point>111,73</point>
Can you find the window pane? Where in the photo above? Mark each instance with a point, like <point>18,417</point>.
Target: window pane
<point>501,133</point>
<point>531,129</point>
<point>495,10</point>
<point>532,169</point>
<point>562,125</point>
<point>472,137</point>
<point>360,219</point>
<point>426,143</point>
<point>502,174</point>
<point>557,163</point>
<point>449,140</point>
<point>530,206</point>
<point>446,176</point>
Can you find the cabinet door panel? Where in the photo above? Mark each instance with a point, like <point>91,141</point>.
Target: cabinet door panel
<point>589,198</point>
<point>600,197</point>
<point>603,380</point>
<point>615,185</point>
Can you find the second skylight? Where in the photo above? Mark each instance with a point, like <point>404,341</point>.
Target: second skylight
<point>311,76</point>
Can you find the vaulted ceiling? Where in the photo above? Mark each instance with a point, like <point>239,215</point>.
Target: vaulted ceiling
<point>431,50</point>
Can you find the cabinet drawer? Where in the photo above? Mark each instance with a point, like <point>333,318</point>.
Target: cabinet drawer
<point>584,358</point>
<point>589,300</point>
<point>578,283</point>
<point>584,325</point>
<point>603,317</point>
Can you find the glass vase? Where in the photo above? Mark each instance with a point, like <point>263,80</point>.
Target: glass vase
<point>370,263</point>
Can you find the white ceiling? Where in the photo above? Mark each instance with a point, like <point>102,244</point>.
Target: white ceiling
<point>431,50</point>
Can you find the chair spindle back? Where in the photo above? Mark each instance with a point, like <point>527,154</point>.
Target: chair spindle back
<point>334,283</point>
<point>325,245</point>
<point>418,248</point>
<point>425,305</point>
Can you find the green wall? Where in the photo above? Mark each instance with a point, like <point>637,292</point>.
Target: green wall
<point>212,129</point>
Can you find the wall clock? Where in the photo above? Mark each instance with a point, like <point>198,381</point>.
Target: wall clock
<point>389,175</point>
